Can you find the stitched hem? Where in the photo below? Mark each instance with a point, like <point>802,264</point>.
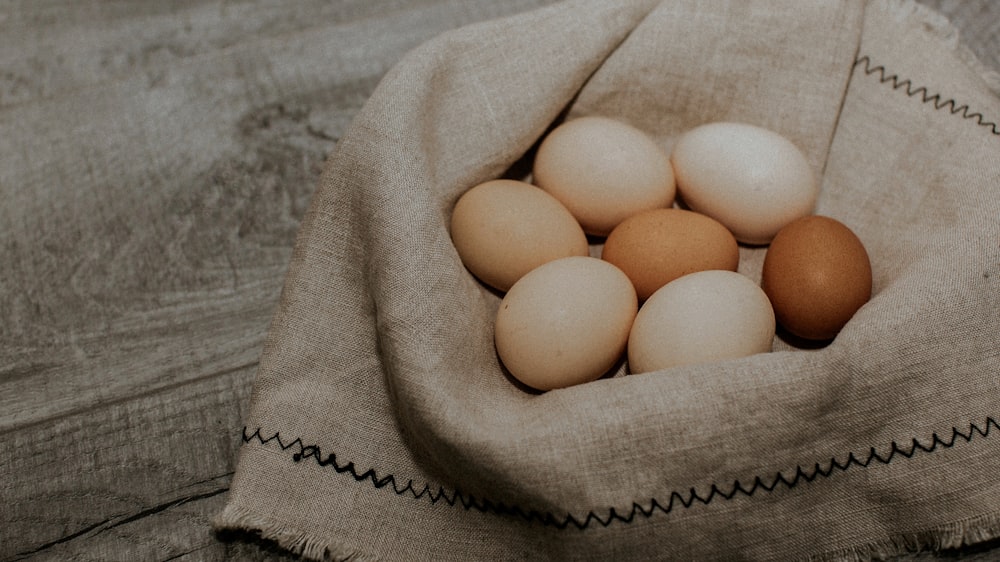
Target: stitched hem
<point>941,28</point>
<point>953,535</point>
<point>922,94</point>
<point>760,484</point>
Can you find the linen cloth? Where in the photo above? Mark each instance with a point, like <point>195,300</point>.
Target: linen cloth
<point>382,425</point>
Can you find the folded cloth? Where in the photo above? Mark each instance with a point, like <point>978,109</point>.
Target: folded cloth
<point>382,425</point>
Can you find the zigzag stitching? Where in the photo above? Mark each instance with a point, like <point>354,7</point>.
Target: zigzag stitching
<point>925,96</point>
<point>684,500</point>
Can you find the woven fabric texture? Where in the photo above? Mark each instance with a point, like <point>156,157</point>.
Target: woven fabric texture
<point>383,427</point>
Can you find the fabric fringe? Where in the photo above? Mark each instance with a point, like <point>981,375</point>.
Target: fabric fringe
<point>950,537</point>
<point>235,518</point>
<point>956,535</point>
<point>941,28</point>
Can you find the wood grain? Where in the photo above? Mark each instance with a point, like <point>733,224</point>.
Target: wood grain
<point>145,232</point>
<point>89,482</point>
<point>50,48</point>
<point>126,214</point>
<point>155,161</point>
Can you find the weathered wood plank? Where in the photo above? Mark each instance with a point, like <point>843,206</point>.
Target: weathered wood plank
<point>136,213</point>
<point>144,236</point>
<point>91,484</point>
<point>53,47</point>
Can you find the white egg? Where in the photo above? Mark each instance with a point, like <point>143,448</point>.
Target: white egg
<point>751,179</point>
<point>698,318</point>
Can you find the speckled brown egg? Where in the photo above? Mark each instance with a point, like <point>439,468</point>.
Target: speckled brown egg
<point>817,274</point>
<point>655,247</point>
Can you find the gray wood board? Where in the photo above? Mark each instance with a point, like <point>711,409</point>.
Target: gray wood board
<point>155,162</point>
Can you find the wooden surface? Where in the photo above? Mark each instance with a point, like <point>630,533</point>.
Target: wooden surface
<point>155,161</point>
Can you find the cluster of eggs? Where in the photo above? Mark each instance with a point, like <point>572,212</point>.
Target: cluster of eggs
<point>664,290</point>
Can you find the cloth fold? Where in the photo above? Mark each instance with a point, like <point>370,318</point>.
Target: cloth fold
<point>382,425</point>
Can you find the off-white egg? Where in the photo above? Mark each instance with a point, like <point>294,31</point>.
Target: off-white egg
<point>698,318</point>
<point>604,171</point>
<point>565,323</point>
<point>751,179</point>
<point>503,229</point>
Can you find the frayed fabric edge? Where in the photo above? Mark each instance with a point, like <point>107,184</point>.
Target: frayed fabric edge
<point>966,532</point>
<point>942,28</point>
<point>235,518</point>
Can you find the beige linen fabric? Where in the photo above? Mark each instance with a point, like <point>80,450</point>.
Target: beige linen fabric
<point>383,427</point>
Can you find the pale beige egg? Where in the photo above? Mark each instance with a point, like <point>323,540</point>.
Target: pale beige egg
<point>565,323</point>
<point>698,318</point>
<point>503,229</point>
<point>603,171</point>
<point>751,179</point>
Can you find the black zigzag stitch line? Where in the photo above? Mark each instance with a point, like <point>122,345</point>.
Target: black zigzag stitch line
<point>924,95</point>
<point>676,499</point>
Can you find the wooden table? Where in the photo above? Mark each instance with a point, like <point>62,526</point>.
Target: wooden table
<point>155,161</point>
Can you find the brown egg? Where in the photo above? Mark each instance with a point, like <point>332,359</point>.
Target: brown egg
<point>502,229</point>
<point>655,247</point>
<point>817,275</point>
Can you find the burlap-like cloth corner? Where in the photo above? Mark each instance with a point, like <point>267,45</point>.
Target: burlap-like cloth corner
<point>382,427</point>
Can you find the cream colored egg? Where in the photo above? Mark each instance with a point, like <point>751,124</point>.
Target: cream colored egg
<point>698,318</point>
<point>751,179</point>
<point>503,229</point>
<point>565,323</point>
<point>604,171</point>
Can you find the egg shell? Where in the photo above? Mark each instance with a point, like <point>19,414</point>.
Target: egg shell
<point>750,179</point>
<point>565,322</point>
<point>655,247</point>
<point>817,274</point>
<point>699,318</point>
<point>604,171</point>
<point>503,229</point>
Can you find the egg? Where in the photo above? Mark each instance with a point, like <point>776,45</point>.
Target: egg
<point>565,323</point>
<point>698,318</point>
<point>503,229</point>
<point>655,247</point>
<point>750,179</point>
<point>603,170</point>
<point>817,274</point>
